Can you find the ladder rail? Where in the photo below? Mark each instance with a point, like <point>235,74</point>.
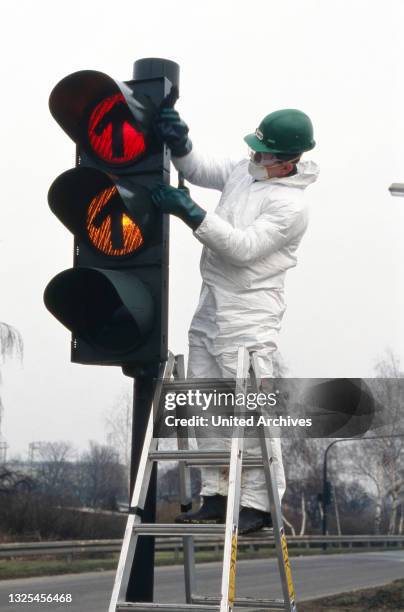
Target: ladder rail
<point>274,501</point>
<point>186,498</point>
<point>233,494</point>
<point>139,492</point>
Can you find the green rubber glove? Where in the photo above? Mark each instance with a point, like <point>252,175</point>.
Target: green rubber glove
<point>178,202</point>
<point>173,131</point>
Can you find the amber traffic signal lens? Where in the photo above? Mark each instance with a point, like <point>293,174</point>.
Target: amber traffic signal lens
<point>109,227</point>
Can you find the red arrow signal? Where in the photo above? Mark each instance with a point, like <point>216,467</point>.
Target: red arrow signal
<point>112,132</point>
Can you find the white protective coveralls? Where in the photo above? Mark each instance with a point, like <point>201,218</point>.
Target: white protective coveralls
<point>249,244</point>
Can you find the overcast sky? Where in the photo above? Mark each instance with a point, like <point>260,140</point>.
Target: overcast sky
<point>340,62</point>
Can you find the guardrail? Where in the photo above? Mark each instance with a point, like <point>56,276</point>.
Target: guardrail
<point>174,544</point>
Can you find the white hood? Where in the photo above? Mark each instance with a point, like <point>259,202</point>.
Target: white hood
<point>307,173</point>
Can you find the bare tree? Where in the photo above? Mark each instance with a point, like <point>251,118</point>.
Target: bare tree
<point>303,466</point>
<point>381,461</point>
<point>102,477</point>
<point>11,345</point>
<point>12,481</point>
<point>118,423</point>
<point>52,468</point>
<point>302,459</point>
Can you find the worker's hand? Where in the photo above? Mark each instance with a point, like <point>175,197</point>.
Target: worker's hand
<point>178,202</point>
<point>173,131</point>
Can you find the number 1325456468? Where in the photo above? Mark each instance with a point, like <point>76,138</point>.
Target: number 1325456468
<point>39,598</point>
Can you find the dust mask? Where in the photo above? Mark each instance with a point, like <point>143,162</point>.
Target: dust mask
<point>257,171</point>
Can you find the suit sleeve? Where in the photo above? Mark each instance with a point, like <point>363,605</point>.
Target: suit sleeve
<point>271,231</point>
<point>204,171</point>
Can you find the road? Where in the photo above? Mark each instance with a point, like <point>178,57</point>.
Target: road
<point>314,576</point>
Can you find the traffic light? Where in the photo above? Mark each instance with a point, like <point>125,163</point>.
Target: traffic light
<point>115,298</point>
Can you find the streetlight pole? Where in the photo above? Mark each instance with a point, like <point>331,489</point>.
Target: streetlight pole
<point>326,483</point>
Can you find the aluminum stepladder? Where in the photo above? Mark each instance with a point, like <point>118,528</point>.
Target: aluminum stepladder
<point>226,602</point>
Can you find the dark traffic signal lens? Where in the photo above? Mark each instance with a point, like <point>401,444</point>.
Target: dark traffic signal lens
<point>102,307</point>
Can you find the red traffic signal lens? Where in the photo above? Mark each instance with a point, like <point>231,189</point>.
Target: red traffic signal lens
<point>112,132</point>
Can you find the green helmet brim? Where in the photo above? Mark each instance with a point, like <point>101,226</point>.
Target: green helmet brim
<point>257,145</point>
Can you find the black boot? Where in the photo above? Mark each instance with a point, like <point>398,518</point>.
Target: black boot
<point>213,510</point>
<point>251,519</point>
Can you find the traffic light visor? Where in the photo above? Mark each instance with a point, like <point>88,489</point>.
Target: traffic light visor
<point>102,115</point>
<point>115,218</point>
<point>102,307</point>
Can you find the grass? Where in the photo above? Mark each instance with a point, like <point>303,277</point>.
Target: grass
<point>12,568</point>
<point>379,599</point>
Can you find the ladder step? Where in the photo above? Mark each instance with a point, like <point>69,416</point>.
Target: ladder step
<point>179,529</point>
<point>170,607</point>
<point>244,602</point>
<point>196,457</point>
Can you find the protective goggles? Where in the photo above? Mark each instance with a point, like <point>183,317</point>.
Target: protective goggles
<point>264,159</point>
<point>267,159</point>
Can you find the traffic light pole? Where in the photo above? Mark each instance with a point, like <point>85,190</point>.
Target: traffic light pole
<point>326,496</point>
<point>141,589</point>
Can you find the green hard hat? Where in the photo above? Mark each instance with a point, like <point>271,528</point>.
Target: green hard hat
<point>283,131</point>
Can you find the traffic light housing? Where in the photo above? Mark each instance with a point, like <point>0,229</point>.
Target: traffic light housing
<point>115,298</point>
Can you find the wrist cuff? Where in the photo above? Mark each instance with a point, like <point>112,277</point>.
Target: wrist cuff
<point>181,149</point>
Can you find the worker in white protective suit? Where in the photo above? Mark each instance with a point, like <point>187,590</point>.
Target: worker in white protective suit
<point>250,242</point>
